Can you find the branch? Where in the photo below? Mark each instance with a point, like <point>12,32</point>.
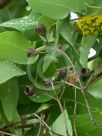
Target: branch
<point>24,120</point>
<point>61,107</point>
<point>5,133</point>
<point>74,121</point>
<point>82,90</point>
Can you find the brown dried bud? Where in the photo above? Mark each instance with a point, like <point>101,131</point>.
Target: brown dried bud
<point>63,73</point>
<point>31,52</point>
<point>48,82</point>
<point>29,91</point>
<point>85,72</point>
<point>41,30</point>
<point>3,3</point>
<point>74,78</point>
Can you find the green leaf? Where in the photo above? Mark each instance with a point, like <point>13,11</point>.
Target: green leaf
<point>50,36</point>
<point>95,132</point>
<point>9,70</point>
<point>33,131</point>
<point>44,94</point>
<point>96,89</point>
<point>68,33</point>
<point>13,47</point>
<point>69,97</point>
<point>21,24</point>
<point>9,94</point>
<point>48,59</point>
<point>47,21</point>
<point>59,125</point>
<point>87,43</point>
<point>96,9</point>
<point>83,123</point>
<point>90,1</point>
<point>57,9</point>
<point>94,64</point>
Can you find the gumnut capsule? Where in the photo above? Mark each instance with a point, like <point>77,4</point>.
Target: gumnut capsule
<point>29,91</point>
<point>85,72</point>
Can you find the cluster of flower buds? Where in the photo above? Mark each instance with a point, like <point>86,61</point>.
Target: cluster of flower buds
<point>73,79</point>
<point>90,25</point>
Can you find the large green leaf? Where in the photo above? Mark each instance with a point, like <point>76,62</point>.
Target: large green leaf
<point>87,43</point>
<point>9,70</point>
<point>83,123</point>
<point>9,96</point>
<point>95,132</point>
<point>96,89</point>
<point>59,125</point>
<point>57,9</point>
<point>68,33</point>
<point>13,47</point>
<point>21,24</point>
<point>69,97</point>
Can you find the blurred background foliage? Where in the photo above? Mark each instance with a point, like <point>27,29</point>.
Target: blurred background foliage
<point>12,9</point>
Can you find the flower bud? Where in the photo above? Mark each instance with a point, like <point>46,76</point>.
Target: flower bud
<point>48,82</point>
<point>63,73</point>
<point>31,52</point>
<point>41,30</point>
